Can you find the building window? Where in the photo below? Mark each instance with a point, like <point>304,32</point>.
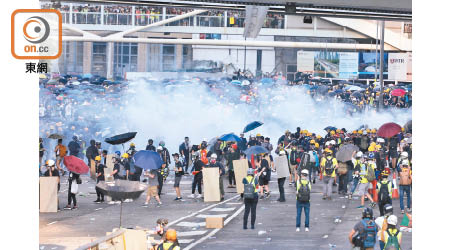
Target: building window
<point>187,59</point>
<point>125,58</point>
<point>168,57</point>
<point>72,58</point>
<point>98,59</point>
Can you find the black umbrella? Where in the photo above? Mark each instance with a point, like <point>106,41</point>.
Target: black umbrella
<point>122,190</point>
<point>329,128</point>
<point>120,139</point>
<point>55,136</point>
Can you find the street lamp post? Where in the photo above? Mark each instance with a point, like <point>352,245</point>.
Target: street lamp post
<point>381,101</point>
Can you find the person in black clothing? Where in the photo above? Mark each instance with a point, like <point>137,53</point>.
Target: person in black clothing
<point>126,164</point>
<point>250,204</point>
<point>104,155</point>
<point>197,172</point>
<point>52,171</point>
<point>297,133</point>
<point>252,141</point>
<point>150,146</point>
<point>242,144</point>
<point>393,154</point>
<point>184,152</point>
<point>231,155</point>
<point>41,150</point>
<point>74,147</point>
<point>100,174</point>
<point>91,151</point>
<point>116,170</point>
<point>72,178</point>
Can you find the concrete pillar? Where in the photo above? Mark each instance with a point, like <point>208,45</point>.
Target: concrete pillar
<point>155,57</point>
<point>70,12</point>
<point>133,15</point>
<point>142,56</point>
<point>226,18</point>
<point>179,55</point>
<point>109,60</point>
<point>164,13</point>
<point>87,57</point>
<point>102,14</point>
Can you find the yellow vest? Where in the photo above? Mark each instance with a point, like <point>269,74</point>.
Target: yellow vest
<point>249,180</point>
<point>167,245</point>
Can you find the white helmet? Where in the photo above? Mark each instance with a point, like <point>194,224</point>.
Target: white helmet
<point>359,154</point>
<point>404,154</point>
<point>405,163</point>
<point>214,156</point>
<point>282,152</point>
<point>50,163</point>
<point>333,142</point>
<point>380,140</point>
<point>327,143</point>
<point>159,148</point>
<point>364,132</point>
<point>392,220</point>
<point>305,171</point>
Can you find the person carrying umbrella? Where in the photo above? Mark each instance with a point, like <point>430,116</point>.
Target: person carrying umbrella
<point>100,174</point>
<point>73,177</point>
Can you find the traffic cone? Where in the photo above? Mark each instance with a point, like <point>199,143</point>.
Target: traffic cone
<point>320,176</point>
<point>374,191</point>
<point>395,191</point>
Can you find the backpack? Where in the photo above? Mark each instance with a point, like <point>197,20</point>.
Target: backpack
<point>305,160</point>
<point>293,157</point>
<point>370,173</point>
<point>392,242</point>
<point>303,192</point>
<point>364,142</point>
<point>329,166</point>
<point>342,168</point>
<point>249,190</point>
<point>370,233</point>
<point>383,195</point>
<point>405,178</point>
<point>122,172</point>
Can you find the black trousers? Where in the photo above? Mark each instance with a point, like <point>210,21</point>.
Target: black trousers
<point>250,206</point>
<point>100,195</point>
<point>186,163</point>
<point>197,182</point>
<point>231,177</point>
<point>160,183</point>
<point>281,188</point>
<point>381,206</point>
<point>71,196</point>
<point>343,179</point>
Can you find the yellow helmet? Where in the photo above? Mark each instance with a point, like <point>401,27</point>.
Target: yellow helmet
<point>312,141</point>
<point>309,134</point>
<point>318,136</point>
<point>373,144</point>
<point>368,130</point>
<point>171,235</point>
<point>125,155</point>
<point>355,132</point>
<point>338,131</point>
<point>332,132</point>
<point>132,145</point>
<point>371,148</point>
<point>327,150</point>
<point>374,130</point>
<point>306,131</point>
<point>377,146</point>
<point>403,129</point>
<point>98,158</point>
<point>317,145</point>
<point>258,135</point>
<point>360,132</point>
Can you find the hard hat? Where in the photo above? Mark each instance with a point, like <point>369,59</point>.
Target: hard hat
<point>405,163</point>
<point>125,155</point>
<point>368,130</point>
<point>312,142</point>
<point>162,143</point>
<point>392,220</point>
<point>171,235</point>
<point>318,136</point>
<point>373,144</point>
<point>364,132</point>
<point>304,171</point>
<point>338,131</point>
<point>159,148</point>
<point>333,142</point>
<point>132,145</point>
<point>117,152</point>
<point>332,132</point>
<point>354,132</point>
<point>371,149</point>
<point>309,134</point>
<point>327,150</point>
<point>403,129</point>
<point>385,173</point>
<point>98,158</point>
<point>368,213</point>
<point>286,132</point>
<point>360,132</point>
<point>214,156</point>
<point>50,162</point>
<point>388,209</point>
<point>374,131</point>
<point>306,131</point>
<point>282,152</point>
<point>380,140</point>
<point>378,146</point>
<point>258,135</point>
<point>359,154</point>
<point>317,145</point>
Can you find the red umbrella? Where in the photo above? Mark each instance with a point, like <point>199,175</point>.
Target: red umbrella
<point>398,92</point>
<point>75,164</point>
<point>389,129</point>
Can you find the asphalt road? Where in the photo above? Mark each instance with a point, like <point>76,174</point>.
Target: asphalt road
<point>275,223</point>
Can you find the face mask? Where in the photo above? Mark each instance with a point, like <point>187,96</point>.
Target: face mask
<point>213,161</point>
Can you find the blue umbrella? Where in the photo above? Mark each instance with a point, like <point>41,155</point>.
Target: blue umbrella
<point>236,82</point>
<point>230,137</point>
<point>330,128</point>
<point>254,150</point>
<point>267,81</point>
<point>314,87</point>
<point>338,91</point>
<point>252,126</point>
<point>147,159</point>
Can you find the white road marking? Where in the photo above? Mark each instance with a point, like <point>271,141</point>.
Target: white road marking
<point>215,230</point>
<point>211,215</point>
<point>201,210</point>
<point>98,208</point>
<point>185,241</point>
<point>191,224</point>
<point>234,203</point>
<point>51,223</point>
<point>191,233</point>
<point>220,209</point>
